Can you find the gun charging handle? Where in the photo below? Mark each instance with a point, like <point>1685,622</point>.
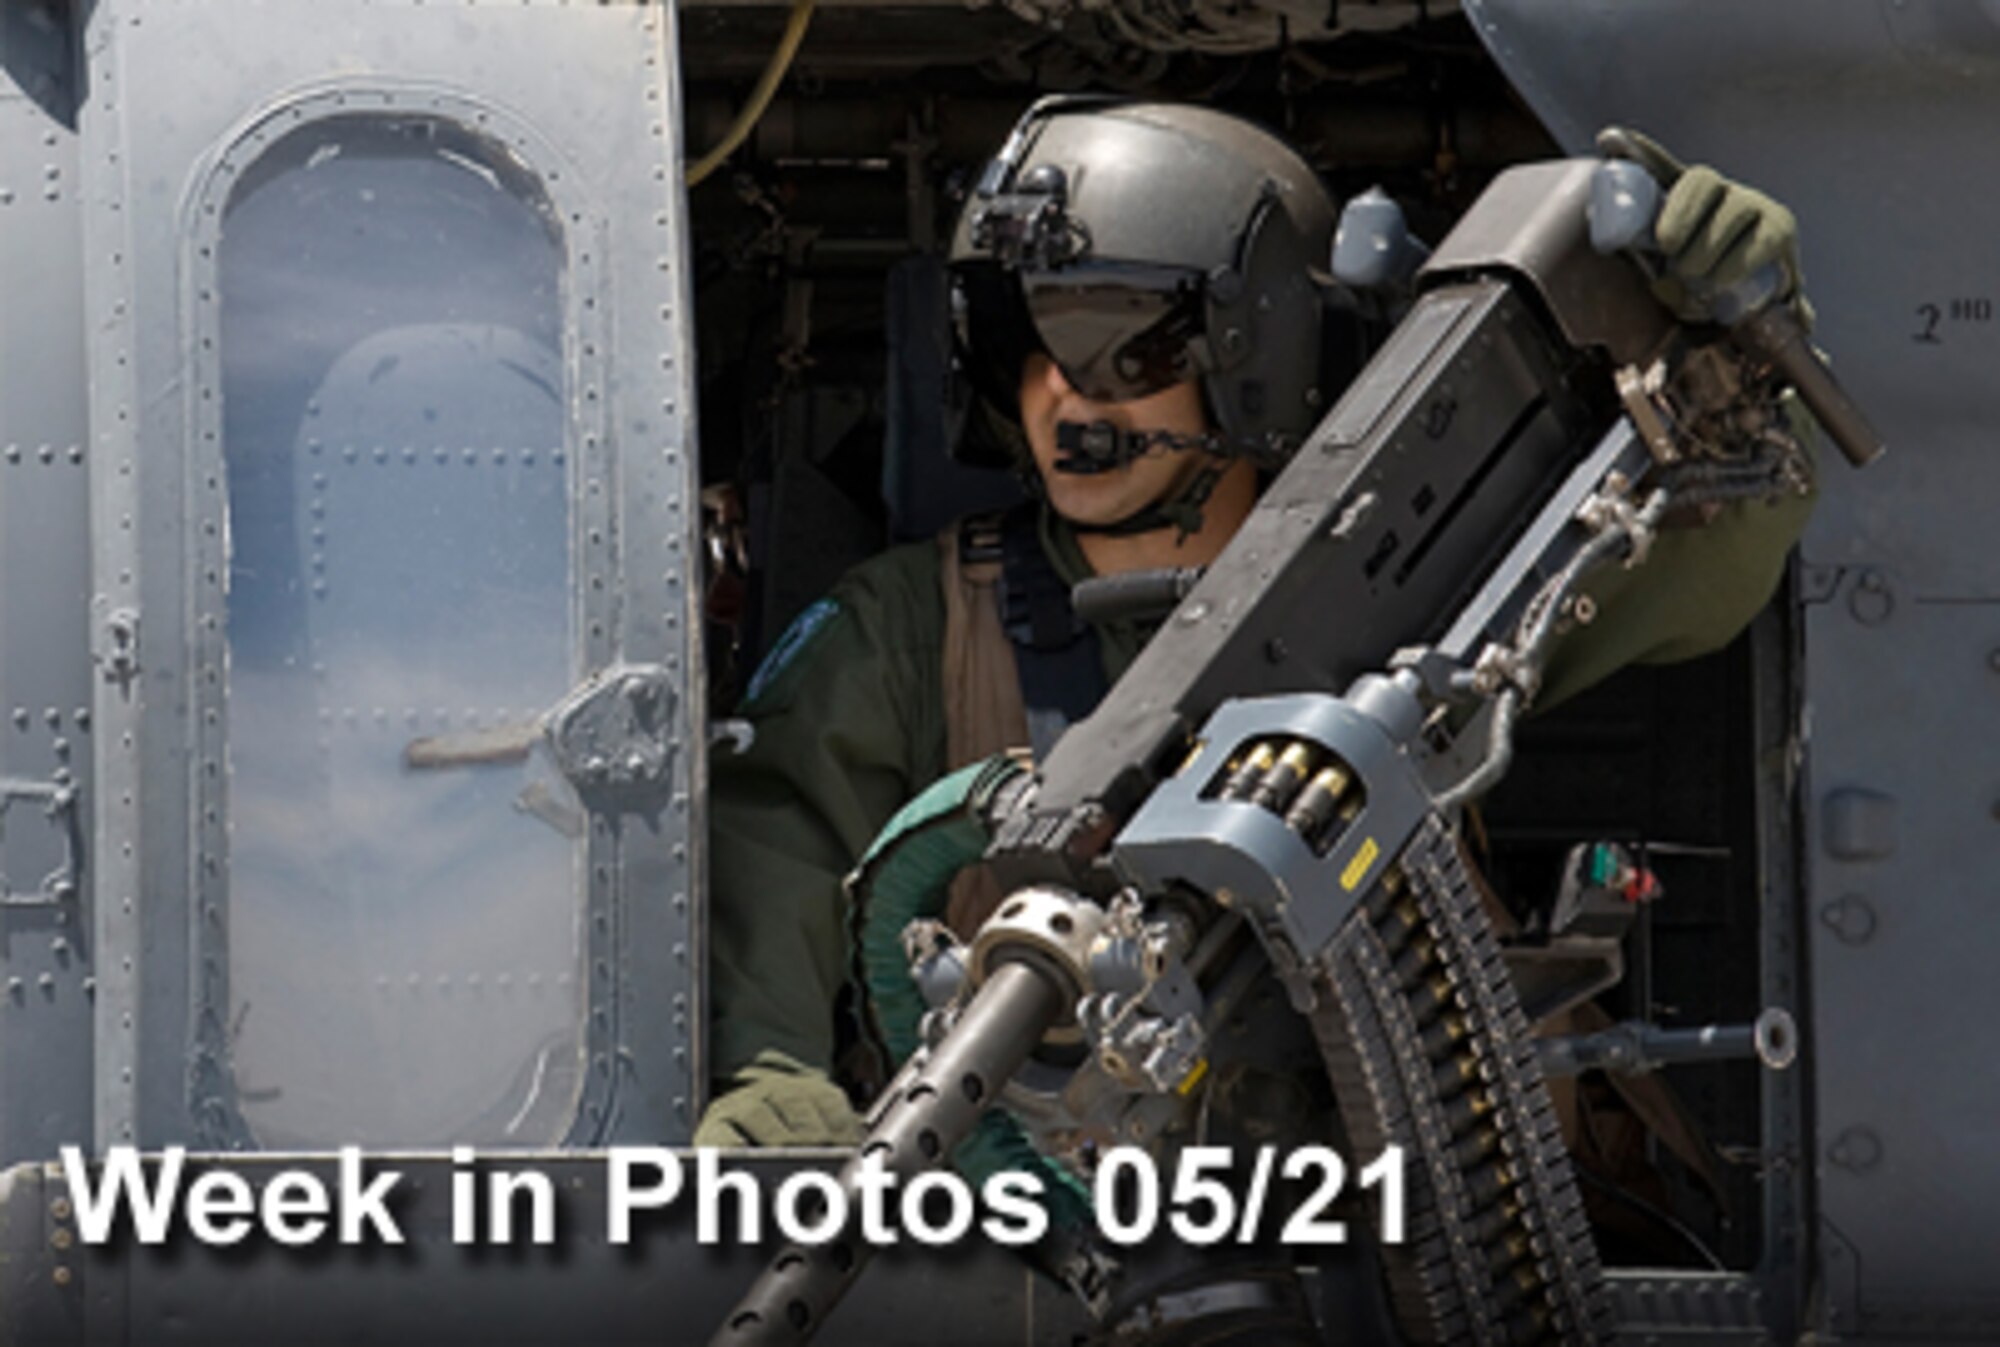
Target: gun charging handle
<point>1625,200</point>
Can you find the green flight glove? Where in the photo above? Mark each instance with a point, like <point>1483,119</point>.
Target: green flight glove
<point>1715,234</point>
<point>779,1101</point>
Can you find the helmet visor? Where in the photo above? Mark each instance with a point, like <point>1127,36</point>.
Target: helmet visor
<point>992,328</point>
<point>1117,330</point>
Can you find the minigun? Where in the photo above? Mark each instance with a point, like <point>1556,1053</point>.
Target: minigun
<point>1268,795</point>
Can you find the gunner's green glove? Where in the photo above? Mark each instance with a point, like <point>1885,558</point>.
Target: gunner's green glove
<point>1716,234</point>
<point>779,1101</point>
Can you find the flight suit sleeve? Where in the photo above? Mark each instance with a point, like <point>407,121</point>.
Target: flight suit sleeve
<point>1701,585</point>
<point>846,710</point>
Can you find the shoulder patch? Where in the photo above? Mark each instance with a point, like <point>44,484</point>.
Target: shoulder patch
<point>788,647</point>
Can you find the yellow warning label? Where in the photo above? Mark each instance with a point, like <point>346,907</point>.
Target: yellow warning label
<point>1357,869</point>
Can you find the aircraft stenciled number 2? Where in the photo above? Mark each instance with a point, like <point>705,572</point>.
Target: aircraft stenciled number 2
<point>1929,316</point>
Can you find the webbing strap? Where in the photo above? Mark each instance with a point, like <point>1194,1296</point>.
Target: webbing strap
<point>1055,651</point>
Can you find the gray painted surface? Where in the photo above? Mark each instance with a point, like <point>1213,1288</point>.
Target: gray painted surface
<point>1874,122</point>
<point>46,951</point>
<point>163,157</point>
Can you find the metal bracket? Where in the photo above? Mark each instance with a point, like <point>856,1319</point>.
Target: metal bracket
<point>117,652</point>
<point>613,737</point>
<point>1031,227</point>
<point>1642,391</point>
<point>58,800</point>
<point>1562,974</point>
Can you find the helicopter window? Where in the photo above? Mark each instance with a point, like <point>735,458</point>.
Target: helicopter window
<point>403,877</point>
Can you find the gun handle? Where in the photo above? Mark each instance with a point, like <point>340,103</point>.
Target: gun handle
<point>1775,333</point>
<point>1625,200</point>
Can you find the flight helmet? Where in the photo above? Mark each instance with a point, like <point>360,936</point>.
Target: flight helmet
<point>1142,244</point>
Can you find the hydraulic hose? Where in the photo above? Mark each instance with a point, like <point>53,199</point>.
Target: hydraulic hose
<point>760,97</point>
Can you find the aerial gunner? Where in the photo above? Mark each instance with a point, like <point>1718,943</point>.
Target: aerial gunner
<point>1141,309</point>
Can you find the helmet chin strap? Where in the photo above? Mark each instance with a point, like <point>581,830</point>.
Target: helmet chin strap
<point>1101,446</point>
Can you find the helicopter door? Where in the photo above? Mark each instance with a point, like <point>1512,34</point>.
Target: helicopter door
<point>391,578</point>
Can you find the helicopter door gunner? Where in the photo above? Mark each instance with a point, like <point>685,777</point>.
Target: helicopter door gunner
<point>1137,304</point>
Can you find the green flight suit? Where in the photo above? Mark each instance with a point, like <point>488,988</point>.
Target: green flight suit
<point>849,716</point>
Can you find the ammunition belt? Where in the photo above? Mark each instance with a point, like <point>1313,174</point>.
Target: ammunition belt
<point>1427,1048</point>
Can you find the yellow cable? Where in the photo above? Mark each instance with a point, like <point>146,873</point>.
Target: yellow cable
<point>760,97</point>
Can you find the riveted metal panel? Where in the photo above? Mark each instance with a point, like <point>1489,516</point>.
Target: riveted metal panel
<point>162,155</point>
<point>45,722</point>
<point>1873,123</point>
<point>1904,836</point>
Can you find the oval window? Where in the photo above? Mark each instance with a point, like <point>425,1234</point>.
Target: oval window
<point>403,881</point>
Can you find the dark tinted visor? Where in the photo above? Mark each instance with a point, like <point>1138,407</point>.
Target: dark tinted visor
<point>993,331</point>
<point>1118,330</point>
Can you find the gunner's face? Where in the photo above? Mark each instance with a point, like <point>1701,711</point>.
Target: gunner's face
<point>1107,497</point>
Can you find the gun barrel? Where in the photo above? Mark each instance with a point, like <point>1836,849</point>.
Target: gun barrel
<point>927,1110</point>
